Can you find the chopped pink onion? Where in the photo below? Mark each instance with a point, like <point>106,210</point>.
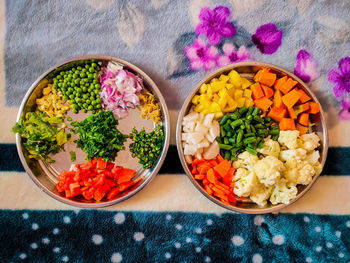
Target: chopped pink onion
<point>120,90</point>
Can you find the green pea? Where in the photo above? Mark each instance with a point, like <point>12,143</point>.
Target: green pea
<point>98,106</point>
<point>88,101</point>
<point>65,97</point>
<point>79,68</point>
<point>83,110</point>
<point>87,66</point>
<point>93,64</point>
<point>95,81</point>
<point>90,108</point>
<point>71,96</point>
<point>93,103</point>
<point>97,86</point>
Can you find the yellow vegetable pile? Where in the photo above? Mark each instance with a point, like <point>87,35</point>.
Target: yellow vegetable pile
<point>51,103</point>
<point>150,107</point>
<point>223,94</point>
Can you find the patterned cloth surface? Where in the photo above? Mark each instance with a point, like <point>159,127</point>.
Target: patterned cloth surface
<point>177,43</point>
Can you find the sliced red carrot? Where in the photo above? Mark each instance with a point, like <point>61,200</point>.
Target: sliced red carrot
<point>208,189</point>
<point>222,189</point>
<point>222,168</point>
<point>211,176</point>
<point>219,158</point>
<point>199,176</point>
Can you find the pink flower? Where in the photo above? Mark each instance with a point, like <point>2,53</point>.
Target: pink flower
<point>267,38</point>
<point>214,24</point>
<point>201,55</point>
<point>344,114</point>
<point>306,67</point>
<point>341,78</point>
<point>231,55</point>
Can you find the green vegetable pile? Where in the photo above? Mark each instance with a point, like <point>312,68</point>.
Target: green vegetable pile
<point>98,136</point>
<point>81,87</point>
<point>41,135</point>
<point>244,130</point>
<point>147,146</point>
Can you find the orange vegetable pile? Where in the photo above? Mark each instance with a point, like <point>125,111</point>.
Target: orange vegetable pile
<point>283,102</point>
<point>215,175</point>
<point>95,179</point>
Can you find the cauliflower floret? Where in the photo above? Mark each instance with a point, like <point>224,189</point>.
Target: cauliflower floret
<point>310,141</point>
<point>244,186</point>
<point>241,173</point>
<point>271,148</point>
<point>299,171</point>
<point>260,194</point>
<point>313,157</point>
<point>289,139</point>
<point>246,160</point>
<point>269,170</point>
<point>317,167</point>
<point>283,192</point>
<point>293,154</point>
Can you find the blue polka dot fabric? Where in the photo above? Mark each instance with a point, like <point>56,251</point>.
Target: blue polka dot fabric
<point>104,236</point>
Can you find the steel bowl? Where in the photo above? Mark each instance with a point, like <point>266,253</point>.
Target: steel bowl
<point>248,70</point>
<point>45,175</point>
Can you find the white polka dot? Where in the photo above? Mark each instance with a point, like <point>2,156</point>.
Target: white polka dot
<point>66,220</point>
<point>25,215</point>
<point>218,214</point>
<point>338,233</point>
<point>207,259</point>
<point>138,236</point>
<point>178,227</point>
<point>258,220</point>
<point>35,226</point>
<point>306,219</point>
<point>341,255</point>
<point>199,230</point>
<point>45,240</point>
<point>97,239</point>
<point>116,257</point>
<point>34,245</point>
<point>348,223</point>
<point>317,229</point>
<point>76,211</point>
<point>257,258</point>
<point>329,245</point>
<point>23,256</point>
<point>318,249</point>
<point>167,255</point>
<point>56,249</point>
<point>119,218</point>
<point>188,240</point>
<point>168,217</point>
<point>177,245</point>
<point>278,240</point>
<point>308,260</point>
<point>237,240</point>
<point>65,258</point>
<point>55,231</point>
<point>198,249</point>
<point>209,222</point>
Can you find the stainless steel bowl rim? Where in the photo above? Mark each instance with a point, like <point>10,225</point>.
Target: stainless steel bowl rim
<point>145,182</point>
<point>182,113</point>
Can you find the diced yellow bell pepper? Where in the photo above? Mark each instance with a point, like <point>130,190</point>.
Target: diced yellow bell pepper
<point>199,108</point>
<point>222,93</point>
<point>218,115</point>
<point>209,91</point>
<point>245,83</point>
<point>214,107</point>
<point>195,99</point>
<point>230,108</point>
<point>231,101</point>
<point>224,78</point>
<point>205,111</point>
<point>235,78</point>
<point>240,102</point>
<point>231,92</point>
<point>238,94</point>
<point>203,88</point>
<point>228,86</point>
<point>248,103</point>
<point>247,93</point>
<point>216,98</point>
<point>217,86</point>
<point>222,103</point>
<point>214,80</point>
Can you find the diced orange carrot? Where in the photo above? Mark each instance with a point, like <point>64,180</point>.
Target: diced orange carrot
<point>263,103</point>
<point>279,82</point>
<point>211,176</point>
<point>264,76</point>
<point>302,129</point>
<point>277,114</point>
<point>303,119</point>
<point>301,108</point>
<point>314,108</point>
<point>291,98</point>
<point>287,124</point>
<point>304,97</point>
<point>292,113</point>
<point>257,91</point>
<point>222,168</point>
<point>267,91</point>
<point>277,99</point>
<point>288,85</point>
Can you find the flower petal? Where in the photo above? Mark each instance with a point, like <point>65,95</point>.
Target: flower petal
<point>334,76</point>
<point>209,65</point>
<point>202,29</point>
<point>191,52</point>
<point>206,13</point>
<point>223,61</point>
<point>338,91</point>
<point>344,65</point>
<point>228,48</point>
<point>196,64</point>
<point>243,53</point>
<point>214,37</point>
<point>346,103</point>
<point>221,13</point>
<point>306,67</point>
<point>267,38</point>
<point>212,51</point>
<point>228,30</point>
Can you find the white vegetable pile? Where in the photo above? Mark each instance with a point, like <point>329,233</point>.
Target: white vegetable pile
<point>199,134</point>
<point>291,161</point>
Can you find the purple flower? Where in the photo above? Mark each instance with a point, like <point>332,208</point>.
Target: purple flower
<point>306,67</point>
<point>214,24</point>
<point>267,38</point>
<point>344,114</point>
<point>341,78</point>
<point>201,55</point>
<point>231,55</point>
